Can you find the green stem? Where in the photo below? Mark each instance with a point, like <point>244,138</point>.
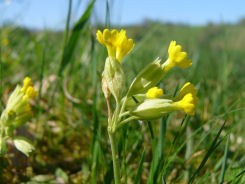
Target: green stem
<point>126,120</point>
<point>188,151</point>
<point>115,117</point>
<point>123,106</point>
<point>115,157</point>
<point>123,114</point>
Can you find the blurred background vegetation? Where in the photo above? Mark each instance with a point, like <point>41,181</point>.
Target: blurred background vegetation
<point>69,127</point>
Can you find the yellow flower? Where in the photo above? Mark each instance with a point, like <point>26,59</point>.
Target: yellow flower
<point>154,92</point>
<point>117,43</point>
<point>177,57</point>
<point>188,103</point>
<point>123,45</point>
<point>187,88</point>
<point>108,38</point>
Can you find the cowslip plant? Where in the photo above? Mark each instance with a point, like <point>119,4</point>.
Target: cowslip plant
<point>17,113</point>
<point>143,100</point>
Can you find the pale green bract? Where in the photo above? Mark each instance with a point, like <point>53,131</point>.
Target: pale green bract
<point>23,145</point>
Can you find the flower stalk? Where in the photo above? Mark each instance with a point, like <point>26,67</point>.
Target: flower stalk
<point>115,157</point>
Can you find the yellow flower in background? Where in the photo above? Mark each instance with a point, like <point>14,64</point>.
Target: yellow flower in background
<point>117,43</point>
<point>18,109</point>
<point>154,92</point>
<point>28,89</point>
<point>177,57</point>
<point>5,42</point>
<point>18,102</point>
<point>17,113</point>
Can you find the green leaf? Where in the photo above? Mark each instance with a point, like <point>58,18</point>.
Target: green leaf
<point>225,160</point>
<point>140,169</point>
<point>24,145</point>
<point>215,143</point>
<point>74,37</point>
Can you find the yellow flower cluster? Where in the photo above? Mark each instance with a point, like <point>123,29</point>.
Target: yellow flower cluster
<point>18,109</point>
<point>150,105</point>
<point>117,43</point>
<point>5,42</point>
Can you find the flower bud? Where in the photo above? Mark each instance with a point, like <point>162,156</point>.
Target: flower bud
<point>114,77</point>
<point>152,109</point>
<point>24,145</point>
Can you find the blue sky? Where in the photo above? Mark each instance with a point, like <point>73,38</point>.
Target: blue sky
<point>51,14</point>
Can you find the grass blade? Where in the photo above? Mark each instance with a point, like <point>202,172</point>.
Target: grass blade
<point>209,152</point>
<point>140,169</point>
<point>151,129</point>
<point>238,177</point>
<point>67,24</point>
<point>158,152</point>
<point>241,173</point>
<point>96,126</point>
<point>74,37</point>
<point>225,161</point>
<point>107,17</point>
